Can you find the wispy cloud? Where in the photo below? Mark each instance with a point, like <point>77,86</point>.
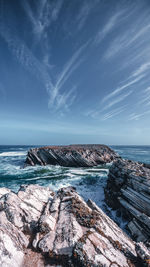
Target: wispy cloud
<point>113,113</point>
<point>48,12</point>
<point>99,112</point>
<point>118,18</point>
<point>142,69</point>
<point>108,27</point>
<point>65,99</point>
<point>144,97</point>
<point>137,116</point>
<point>56,10</point>
<point>41,18</point>
<point>133,45</point>
<point>25,57</point>
<point>117,100</point>
<point>44,13</point>
<point>59,97</point>
<point>121,88</point>
<point>120,31</point>
<point>127,39</point>
<point>147,90</point>
<point>114,99</point>
<point>38,25</point>
<point>83,14</point>
<point>101,115</point>
<point>133,40</point>
<point>72,64</point>
<point>85,10</point>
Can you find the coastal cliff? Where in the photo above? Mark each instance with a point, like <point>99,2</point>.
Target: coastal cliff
<point>41,228</point>
<point>71,156</point>
<point>128,189</point>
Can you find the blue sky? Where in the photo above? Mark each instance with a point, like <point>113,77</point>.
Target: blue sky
<point>74,71</point>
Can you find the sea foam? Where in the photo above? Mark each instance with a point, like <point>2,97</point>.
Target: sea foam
<point>12,154</point>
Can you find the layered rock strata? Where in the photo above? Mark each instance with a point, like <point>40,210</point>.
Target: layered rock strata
<point>41,228</point>
<point>71,156</point>
<point>128,187</point>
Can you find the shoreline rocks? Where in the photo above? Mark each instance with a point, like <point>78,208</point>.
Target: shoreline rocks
<point>41,228</point>
<point>128,189</point>
<point>71,156</point>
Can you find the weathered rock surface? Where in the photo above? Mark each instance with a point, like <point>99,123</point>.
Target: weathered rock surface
<point>42,228</point>
<point>19,215</point>
<point>128,187</point>
<point>71,156</point>
<point>4,191</point>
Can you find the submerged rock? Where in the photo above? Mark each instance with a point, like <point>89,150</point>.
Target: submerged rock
<point>128,187</point>
<point>41,228</point>
<point>71,156</point>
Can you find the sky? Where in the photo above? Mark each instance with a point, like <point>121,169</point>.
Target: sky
<point>74,72</point>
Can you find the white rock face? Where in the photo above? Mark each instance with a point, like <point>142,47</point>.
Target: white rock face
<point>4,191</point>
<point>41,228</point>
<point>19,214</point>
<point>10,255</point>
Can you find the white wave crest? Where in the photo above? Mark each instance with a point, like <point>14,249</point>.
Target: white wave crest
<point>12,154</point>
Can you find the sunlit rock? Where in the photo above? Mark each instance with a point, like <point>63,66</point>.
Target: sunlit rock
<point>41,228</point>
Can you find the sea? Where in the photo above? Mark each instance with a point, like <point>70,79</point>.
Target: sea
<point>89,182</point>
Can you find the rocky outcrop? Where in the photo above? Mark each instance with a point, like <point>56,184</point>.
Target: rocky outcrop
<point>128,188</point>
<point>71,156</point>
<point>41,228</point>
<point>19,215</point>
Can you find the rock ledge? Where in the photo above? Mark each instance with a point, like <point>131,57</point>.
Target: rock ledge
<point>128,189</point>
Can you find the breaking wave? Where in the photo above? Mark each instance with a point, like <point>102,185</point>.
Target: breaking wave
<point>12,154</point>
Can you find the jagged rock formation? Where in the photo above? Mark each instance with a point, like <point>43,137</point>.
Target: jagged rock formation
<point>128,187</point>
<point>42,228</point>
<point>71,156</point>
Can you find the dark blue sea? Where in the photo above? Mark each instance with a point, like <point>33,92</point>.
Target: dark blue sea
<point>89,182</point>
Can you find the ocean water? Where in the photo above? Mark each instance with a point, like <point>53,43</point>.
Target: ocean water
<point>89,182</point>
<point>136,153</point>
